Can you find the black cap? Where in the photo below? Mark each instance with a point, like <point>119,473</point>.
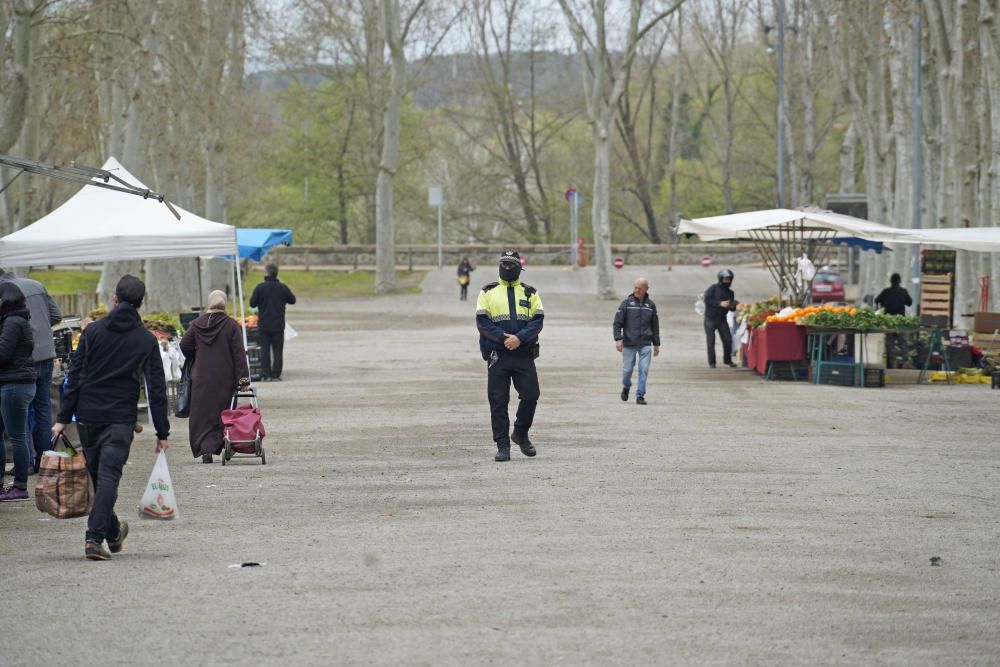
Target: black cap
<point>510,256</point>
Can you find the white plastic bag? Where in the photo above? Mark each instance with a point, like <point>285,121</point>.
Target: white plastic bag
<point>290,333</point>
<point>159,501</point>
<point>699,305</point>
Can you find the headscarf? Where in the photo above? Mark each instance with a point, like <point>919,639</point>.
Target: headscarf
<point>217,301</point>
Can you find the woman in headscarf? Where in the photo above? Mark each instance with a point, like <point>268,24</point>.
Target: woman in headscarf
<point>215,344</point>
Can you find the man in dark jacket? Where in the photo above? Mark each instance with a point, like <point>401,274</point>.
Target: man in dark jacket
<point>270,298</point>
<point>637,333</point>
<point>114,354</point>
<point>894,300</point>
<point>45,314</point>
<point>719,300</point>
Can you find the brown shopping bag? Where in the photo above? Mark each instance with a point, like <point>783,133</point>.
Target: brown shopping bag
<point>63,488</point>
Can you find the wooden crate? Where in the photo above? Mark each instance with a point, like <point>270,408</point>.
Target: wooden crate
<point>935,298</point>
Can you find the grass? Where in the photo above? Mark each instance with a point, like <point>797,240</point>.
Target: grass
<point>314,284</point>
<point>67,281</point>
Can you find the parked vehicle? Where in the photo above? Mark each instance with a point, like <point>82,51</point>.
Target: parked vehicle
<point>827,286</point>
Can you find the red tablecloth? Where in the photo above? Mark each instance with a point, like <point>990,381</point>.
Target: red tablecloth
<point>778,341</point>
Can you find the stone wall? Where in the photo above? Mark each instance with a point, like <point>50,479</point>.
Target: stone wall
<point>422,256</point>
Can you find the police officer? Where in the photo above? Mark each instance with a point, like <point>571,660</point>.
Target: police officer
<point>509,318</point>
<point>719,300</point>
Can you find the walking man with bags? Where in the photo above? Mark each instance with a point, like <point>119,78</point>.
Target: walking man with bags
<point>114,355</point>
<point>637,334</point>
<point>509,317</point>
<point>270,298</point>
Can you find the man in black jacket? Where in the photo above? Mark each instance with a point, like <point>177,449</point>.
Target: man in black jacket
<point>270,298</point>
<point>719,300</point>
<point>114,354</point>
<point>894,300</point>
<point>637,333</point>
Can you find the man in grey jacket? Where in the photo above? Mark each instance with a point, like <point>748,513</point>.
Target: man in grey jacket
<point>44,314</point>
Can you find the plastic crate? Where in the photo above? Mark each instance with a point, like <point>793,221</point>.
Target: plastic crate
<point>833,373</point>
<point>874,377</point>
<point>785,370</point>
<point>253,357</point>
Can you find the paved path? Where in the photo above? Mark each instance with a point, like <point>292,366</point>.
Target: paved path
<point>731,521</point>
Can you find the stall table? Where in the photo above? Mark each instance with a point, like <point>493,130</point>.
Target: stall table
<point>776,342</point>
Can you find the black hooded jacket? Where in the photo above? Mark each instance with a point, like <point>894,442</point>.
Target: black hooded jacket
<point>17,364</point>
<point>270,298</point>
<point>715,295</point>
<point>115,354</point>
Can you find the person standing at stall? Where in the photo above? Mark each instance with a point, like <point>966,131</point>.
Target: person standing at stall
<point>270,298</point>
<point>214,342</point>
<point>509,317</point>
<point>17,384</point>
<point>894,299</point>
<point>636,331</point>
<point>719,300</point>
<point>464,269</point>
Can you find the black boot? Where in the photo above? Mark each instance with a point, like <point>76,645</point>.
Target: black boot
<point>503,453</point>
<point>524,443</point>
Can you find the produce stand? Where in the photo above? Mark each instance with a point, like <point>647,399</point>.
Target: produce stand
<point>820,367</point>
<point>778,342</point>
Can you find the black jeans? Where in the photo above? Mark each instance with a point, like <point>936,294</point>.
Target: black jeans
<point>711,326</point>
<point>106,447</point>
<point>271,343</point>
<point>518,367</point>
<point>891,340</point>
<point>464,295</point>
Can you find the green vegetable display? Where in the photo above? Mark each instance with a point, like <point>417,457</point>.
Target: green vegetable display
<point>865,319</point>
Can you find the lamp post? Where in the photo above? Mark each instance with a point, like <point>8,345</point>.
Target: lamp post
<point>781,103</point>
<point>435,197</point>
<point>917,155</point>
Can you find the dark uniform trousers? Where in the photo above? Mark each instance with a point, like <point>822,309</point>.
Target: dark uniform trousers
<point>722,326</point>
<point>518,367</point>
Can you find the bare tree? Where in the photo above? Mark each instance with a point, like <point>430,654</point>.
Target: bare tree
<point>603,83</point>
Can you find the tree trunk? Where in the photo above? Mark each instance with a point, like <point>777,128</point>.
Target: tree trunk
<point>600,212</point>
<point>385,245</point>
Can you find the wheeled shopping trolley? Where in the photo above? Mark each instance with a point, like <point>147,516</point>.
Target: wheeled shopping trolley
<point>243,428</point>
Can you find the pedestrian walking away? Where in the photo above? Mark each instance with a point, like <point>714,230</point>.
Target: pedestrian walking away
<point>509,317</point>
<point>719,301</point>
<point>45,314</point>
<point>464,269</point>
<point>115,354</point>
<point>214,342</point>
<point>270,298</point>
<point>636,331</point>
<point>17,384</point>
<point>894,300</point>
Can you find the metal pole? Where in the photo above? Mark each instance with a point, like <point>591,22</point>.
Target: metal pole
<point>575,232</point>
<point>917,155</point>
<point>781,103</point>
<point>440,240</point>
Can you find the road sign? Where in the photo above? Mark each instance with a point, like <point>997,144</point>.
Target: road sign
<point>706,261</point>
<point>619,262</point>
<point>435,195</point>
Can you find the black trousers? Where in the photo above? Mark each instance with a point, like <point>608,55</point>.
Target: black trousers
<point>519,368</point>
<point>106,447</point>
<point>271,343</point>
<point>893,360</point>
<point>711,326</point>
<point>464,294</point>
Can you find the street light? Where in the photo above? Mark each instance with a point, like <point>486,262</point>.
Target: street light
<point>435,197</point>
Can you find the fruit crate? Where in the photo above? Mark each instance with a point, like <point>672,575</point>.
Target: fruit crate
<point>833,373</point>
<point>787,370</point>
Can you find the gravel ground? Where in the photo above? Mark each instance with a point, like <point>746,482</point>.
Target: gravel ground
<point>730,521</point>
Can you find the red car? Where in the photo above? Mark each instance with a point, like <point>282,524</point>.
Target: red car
<point>827,286</point>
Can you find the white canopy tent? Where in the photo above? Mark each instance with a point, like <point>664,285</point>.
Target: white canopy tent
<point>99,225</point>
<point>783,235</point>
<point>979,239</point>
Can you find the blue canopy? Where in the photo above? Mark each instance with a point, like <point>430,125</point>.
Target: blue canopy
<point>851,242</point>
<point>255,243</point>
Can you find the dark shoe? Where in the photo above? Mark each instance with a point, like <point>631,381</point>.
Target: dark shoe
<point>624,393</point>
<point>96,552</point>
<point>14,495</point>
<point>503,454</point>
<point>276,379</point>
<point>116,546</point>
<point>640,400</point>
<point>731,364</point>
<point>711,365</point>
<point>524,443</point>
<point>206,458</point>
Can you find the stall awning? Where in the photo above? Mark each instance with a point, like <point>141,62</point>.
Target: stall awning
<point>808,223</point>
<point>255,243</point>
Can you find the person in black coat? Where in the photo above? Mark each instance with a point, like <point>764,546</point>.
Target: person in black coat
<point>17,384</point>
<point>116,354</point>
<point>894,300</point>
<point>270,298</point>
<point>636,331</point>
<point>719,300</point>
<point>465,268</point>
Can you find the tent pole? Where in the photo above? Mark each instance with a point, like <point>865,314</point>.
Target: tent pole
<point>239,295</point>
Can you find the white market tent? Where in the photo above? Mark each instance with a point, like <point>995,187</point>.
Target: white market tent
<point>783,235</point>
<point>979,239</point>
<point>99,225</point>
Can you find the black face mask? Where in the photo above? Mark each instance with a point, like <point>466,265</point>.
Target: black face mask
<point>509,273</point>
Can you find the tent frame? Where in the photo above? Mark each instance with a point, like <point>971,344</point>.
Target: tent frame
<point>779,247</point>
